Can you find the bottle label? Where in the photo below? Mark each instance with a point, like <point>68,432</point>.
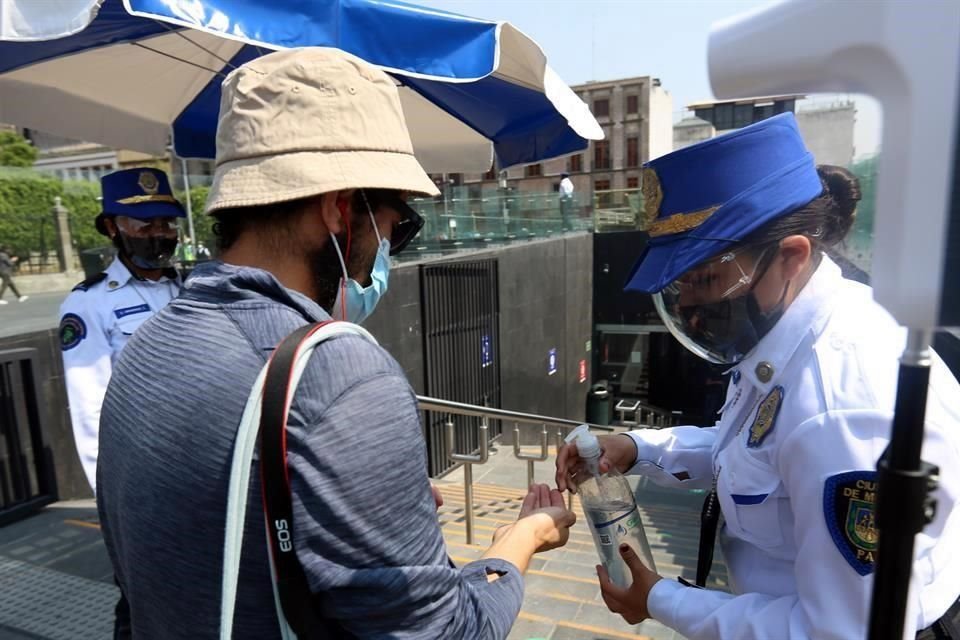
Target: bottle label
<point>612,531</point>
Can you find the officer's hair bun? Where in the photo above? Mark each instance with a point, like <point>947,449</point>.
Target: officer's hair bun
<point>841,193</point>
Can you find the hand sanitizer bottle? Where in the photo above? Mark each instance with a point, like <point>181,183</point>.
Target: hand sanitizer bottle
<point>610,508</point>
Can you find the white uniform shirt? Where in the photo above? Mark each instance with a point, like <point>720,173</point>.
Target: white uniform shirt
<point>95,323</point>
<point>796,477</point>
<point>566,187</point>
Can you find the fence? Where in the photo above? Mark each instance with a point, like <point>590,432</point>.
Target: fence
<point>27,480</point>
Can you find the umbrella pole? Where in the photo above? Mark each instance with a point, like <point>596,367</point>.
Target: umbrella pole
<point>186,187</point>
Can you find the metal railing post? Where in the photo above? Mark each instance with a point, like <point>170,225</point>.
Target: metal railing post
<point>543,455</point>
<point>560,444</point>
<point>468,461</point>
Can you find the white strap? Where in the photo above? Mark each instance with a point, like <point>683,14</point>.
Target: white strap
<point>240,478</point>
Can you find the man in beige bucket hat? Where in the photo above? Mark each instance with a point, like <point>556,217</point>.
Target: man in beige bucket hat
<point>313,164</point>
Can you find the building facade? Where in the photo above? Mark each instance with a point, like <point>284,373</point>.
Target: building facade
<point>636,116</point>
<point>827,127</point>
<point>85,161</point>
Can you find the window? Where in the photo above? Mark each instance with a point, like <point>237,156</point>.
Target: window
<point>601,190</point>
<point>633,152</point>
<point>575,164</point>
<point>601,108</point>
<point>723,115</point>
<point>601,154</point>
<point>742,115</point>
<point>533,170</point>
<point>762,112</point>
<point>633,103</point>
<point>633,182</point>
<point>490,175</point>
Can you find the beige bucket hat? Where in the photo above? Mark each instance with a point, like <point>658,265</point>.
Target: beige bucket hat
<point>302,122</point>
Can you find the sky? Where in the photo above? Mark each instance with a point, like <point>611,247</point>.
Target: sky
<point>609,39</point>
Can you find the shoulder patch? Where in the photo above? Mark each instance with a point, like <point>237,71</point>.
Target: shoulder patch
<point>72,331</point>
<point>849,506</point>
<point>89,282</point>
<point>766,417</point>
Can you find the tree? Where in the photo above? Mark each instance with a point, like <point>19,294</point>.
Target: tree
<point>15,150</point>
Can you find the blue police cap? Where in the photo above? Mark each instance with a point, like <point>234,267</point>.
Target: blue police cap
<point>700,200</point>
<point>139,193</point>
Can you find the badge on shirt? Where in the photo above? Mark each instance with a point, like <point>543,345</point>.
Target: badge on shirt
<point>72,331</point>
<point>849,505</point>
<point>766,417</point>
<point>129,311</point>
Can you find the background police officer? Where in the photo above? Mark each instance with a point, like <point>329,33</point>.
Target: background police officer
<point>101,313</point>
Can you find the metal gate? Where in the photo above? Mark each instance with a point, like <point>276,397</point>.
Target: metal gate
<point>27,480</point>
<point>461,319</point>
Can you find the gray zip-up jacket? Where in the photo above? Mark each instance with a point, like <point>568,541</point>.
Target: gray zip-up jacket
<point>364,519</point>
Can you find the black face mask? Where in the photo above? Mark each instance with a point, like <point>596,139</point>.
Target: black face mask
<point>731,327</point>
<point>153,252</point>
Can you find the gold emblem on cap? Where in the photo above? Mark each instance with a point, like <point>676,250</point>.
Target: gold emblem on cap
<point>113,284</point>
<point>652,197</point>
<point>680,222</point>
<point>149,183</point>
<point>764,371</point>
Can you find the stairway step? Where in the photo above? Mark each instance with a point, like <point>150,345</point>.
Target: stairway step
<point>562,599</point>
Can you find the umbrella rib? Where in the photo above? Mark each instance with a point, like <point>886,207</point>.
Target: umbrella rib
<point>173,57</point>
<point>180,33</point>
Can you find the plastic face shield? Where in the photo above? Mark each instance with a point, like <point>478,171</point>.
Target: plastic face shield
<point>140,228</point>
<point>708,308</point>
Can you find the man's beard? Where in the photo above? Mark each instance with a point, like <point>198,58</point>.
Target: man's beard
<point>326,270</point>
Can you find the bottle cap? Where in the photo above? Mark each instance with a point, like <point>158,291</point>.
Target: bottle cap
<point>588,446</point>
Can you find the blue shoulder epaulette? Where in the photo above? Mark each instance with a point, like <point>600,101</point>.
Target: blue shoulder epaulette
<point>89,282</point>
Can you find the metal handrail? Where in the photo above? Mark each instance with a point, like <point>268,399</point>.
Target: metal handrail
<point>460,408</point>
<point>468,461</point>
<point>450,408</point>
<point>530,459</point>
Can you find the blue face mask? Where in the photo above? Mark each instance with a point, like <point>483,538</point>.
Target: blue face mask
<point>355,302</point>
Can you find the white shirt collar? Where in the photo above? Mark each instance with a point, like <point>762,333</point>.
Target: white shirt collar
<point>118,276</point>
<point>807,314</point>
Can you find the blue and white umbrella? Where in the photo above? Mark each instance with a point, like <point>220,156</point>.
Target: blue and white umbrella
<point>134,74</point>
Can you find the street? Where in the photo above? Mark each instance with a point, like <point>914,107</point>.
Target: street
<point>38,313</point>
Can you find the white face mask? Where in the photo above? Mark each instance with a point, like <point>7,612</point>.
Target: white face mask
<point>355,302</point>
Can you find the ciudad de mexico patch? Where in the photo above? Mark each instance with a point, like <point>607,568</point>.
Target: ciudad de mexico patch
<point>849,506</point>
<point>72,330</point>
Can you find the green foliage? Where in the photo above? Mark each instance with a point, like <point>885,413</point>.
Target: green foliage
<point>202,223</point>
<point>26,211</point>
<point>26,198</point>
<point>82,201</point>
<point>15,150</point>
<point>26,218</point>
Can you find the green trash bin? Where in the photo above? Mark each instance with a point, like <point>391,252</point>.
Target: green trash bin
<point>599,409</point>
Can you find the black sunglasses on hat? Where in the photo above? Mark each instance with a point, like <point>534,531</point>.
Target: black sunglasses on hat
<point>410,221</point>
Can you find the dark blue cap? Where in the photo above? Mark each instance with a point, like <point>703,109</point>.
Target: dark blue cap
<point>139,193</point>
<point>702,199</point>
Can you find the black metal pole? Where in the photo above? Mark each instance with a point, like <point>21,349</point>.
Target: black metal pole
<point>903,502</point>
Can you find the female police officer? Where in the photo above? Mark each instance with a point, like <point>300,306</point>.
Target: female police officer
<point>738,230</point>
